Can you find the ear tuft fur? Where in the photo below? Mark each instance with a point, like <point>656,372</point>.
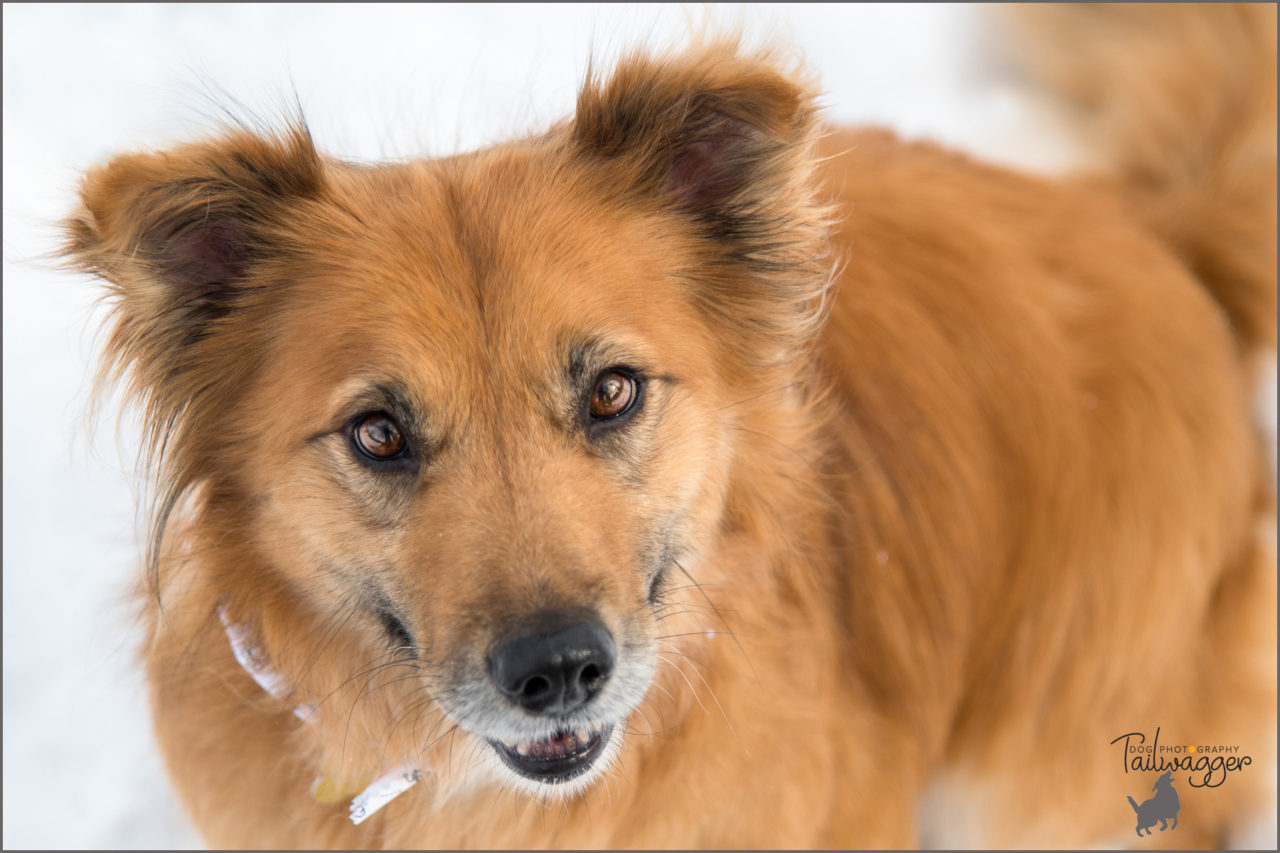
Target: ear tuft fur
<point>180,237</point>
<point>725,139</point>
<point>699,126</point>
<point>194,215</point>
<point>177,234</point>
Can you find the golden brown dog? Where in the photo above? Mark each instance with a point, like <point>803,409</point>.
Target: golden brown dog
<point>693,475</point>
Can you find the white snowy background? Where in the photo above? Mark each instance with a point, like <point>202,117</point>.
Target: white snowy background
<point>82,82</point>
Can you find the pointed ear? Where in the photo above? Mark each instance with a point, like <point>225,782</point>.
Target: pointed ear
<point>724,140</point>
<point>708,129</point>
<point>178,234</point>
<point>182,238</point>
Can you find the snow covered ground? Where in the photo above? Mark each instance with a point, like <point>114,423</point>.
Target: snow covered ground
<point>82,82</point>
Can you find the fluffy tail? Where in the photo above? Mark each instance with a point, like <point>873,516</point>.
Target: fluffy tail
<point>1132,803</point>
<point>1181,101</point>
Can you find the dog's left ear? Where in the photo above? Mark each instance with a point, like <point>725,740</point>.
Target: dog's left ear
<point>713,131</point>
<point>725,140</point>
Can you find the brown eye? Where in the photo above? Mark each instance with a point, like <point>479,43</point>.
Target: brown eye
<point>379,436</point>
<point>613,395</point>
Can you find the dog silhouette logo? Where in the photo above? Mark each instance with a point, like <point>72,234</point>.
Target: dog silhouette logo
<point>1163,807</point>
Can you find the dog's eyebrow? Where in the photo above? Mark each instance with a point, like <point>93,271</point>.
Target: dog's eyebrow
<point>583,355</point>
<point>391,396</point>
<point>587,355</point>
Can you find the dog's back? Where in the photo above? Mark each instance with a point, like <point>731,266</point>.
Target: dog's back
<point>1179,102</point>
<point>1048,415</point>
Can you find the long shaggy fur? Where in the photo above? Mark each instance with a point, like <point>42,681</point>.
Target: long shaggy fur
<point>940,477</point>
<point>1190,134</point>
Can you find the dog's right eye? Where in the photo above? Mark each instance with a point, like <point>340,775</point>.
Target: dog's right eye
<point>378,437</point>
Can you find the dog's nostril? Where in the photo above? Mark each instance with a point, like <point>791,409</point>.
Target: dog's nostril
<point>534,688</point>
<point>555,669</point>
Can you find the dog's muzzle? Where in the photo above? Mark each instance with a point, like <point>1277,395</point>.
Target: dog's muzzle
<point>553,671</point>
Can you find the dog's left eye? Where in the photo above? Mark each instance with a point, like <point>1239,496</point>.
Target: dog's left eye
<point>613,395</point>
<point>379,437</point>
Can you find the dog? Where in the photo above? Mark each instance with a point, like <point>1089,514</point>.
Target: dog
<point>1162,807</point>
<point>695,474</point>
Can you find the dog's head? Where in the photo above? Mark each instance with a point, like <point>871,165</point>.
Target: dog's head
<point>489,407</point>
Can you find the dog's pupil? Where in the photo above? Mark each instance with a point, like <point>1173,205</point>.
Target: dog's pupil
<point>613,394</point>
<point>379,436</point>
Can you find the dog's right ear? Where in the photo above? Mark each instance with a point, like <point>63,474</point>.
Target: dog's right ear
<point>179,234</point>
<point>190,241</point>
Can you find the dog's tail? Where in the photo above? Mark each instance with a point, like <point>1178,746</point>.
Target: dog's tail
<point>1132,803</point>
<point>1181,101</point>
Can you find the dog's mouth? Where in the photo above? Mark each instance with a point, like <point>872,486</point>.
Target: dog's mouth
<point>559,758</point>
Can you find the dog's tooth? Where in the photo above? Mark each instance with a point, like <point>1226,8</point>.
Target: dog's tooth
<point>522,748</point>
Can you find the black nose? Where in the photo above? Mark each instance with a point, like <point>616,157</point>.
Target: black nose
<point>556,668</point>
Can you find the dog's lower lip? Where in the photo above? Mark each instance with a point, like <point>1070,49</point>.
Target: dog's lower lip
<point>556,759</point>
